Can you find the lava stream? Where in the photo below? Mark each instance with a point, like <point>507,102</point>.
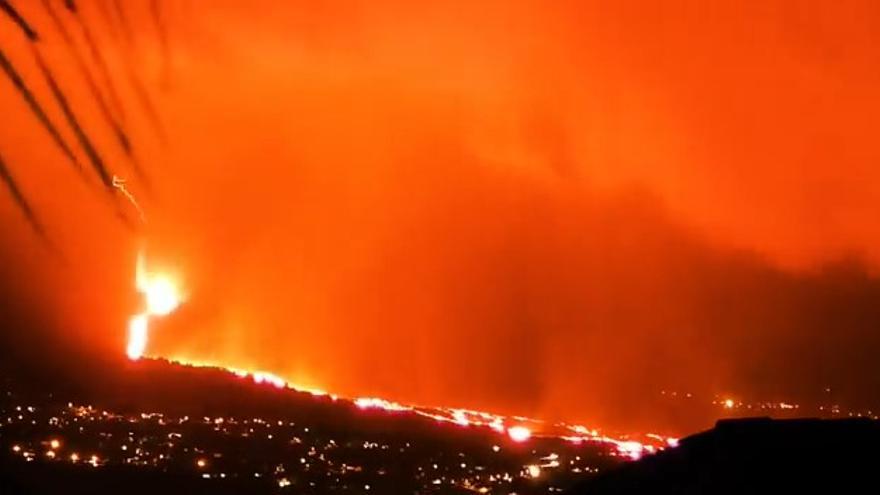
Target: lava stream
<point>162,296</point>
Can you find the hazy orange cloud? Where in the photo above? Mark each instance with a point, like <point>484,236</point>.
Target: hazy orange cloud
<point>551,209</point>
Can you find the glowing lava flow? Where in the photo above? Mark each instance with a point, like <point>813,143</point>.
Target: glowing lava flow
<point>518,429</point>
<point>161,297</point>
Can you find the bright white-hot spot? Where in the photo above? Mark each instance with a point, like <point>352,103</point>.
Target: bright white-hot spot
<point>632,449</point>
<point>375,403</point>
<point>460,417</point>
<point>161,294</point>
<point>161,297</point>
<point>519,433</point>
<point>263,377</point>
<point>137,336</point>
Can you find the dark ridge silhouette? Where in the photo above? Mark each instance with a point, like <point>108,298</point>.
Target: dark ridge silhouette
<point>756,456</point>
<point>38,111</point>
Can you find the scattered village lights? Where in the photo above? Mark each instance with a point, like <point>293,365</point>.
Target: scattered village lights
<point>156,440</point>
<point>533,470</point>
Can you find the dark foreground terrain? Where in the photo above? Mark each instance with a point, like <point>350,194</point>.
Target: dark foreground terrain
<point>757,456</point>
<point>163,428</point>
<point>154,427</point>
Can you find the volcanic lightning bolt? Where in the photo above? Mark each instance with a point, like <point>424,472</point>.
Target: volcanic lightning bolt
<point>161,297</point>
<point>119,183</point>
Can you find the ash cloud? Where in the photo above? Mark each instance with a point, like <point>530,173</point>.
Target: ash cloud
<point>552,210</point>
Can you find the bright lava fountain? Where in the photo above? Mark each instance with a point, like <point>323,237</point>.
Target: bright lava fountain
<point>161,297</point>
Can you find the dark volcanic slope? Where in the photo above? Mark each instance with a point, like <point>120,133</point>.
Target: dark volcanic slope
<point>153,427</point>
<point>754,456</point>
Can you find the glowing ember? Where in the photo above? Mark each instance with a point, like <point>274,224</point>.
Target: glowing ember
<point>632,449</point>
<point>374,403</point>
<point>460,417</point>
<point>161,297</point>
<point>519,433</point>
<point>274,380</point>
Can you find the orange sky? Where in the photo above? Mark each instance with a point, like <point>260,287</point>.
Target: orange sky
<point>549,209</point>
